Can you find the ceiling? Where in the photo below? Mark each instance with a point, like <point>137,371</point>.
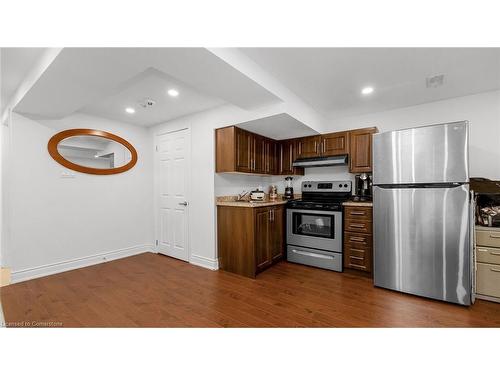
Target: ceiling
<point>151,84</point>
<point>331,79</point>
<point>15,64</point>
<point>104,81</point>
<point>96,80</point>
<point>280,126</point>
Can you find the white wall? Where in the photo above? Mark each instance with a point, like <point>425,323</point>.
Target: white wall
<point>56,219</point>
<point>481,110</point>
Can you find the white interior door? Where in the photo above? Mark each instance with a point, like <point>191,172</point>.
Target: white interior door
<point>172,183</point>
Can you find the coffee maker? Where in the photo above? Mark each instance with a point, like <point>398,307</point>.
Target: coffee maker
<point>363,187</point>
<point>288,188</point>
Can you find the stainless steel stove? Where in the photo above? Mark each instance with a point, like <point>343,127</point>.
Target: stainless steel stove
<point>314,224</point>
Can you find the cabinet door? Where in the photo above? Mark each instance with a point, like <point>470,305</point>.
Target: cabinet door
<point>285,158</point>
<point>244,145</point>
<point>360,153</point>
<point>358,258</point>
<point>277,233</point>
<point>308,147</point>
<point>335,144</point>
<point>270,157</point>
<point>287,153</point>
<point>258,154</point>
<point>262,232</point>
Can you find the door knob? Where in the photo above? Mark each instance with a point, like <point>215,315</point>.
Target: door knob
<point>183,203</point>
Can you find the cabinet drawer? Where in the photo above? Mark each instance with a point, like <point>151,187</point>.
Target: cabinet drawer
<point>358,240</point>
<point>488,238</point>
<point>357,258</point>
<point>488,279</point>
<point>359,226</point>
<point>488,255</point>
<point>358,213</point>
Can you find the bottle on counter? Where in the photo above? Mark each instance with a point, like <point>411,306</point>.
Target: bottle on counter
<point>273,192</point>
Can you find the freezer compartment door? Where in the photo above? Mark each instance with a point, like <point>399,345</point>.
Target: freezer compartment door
<point>429,154</point>
<point>421,242</point>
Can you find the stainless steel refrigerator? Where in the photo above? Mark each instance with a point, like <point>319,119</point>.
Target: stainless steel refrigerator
<point>422,212</point>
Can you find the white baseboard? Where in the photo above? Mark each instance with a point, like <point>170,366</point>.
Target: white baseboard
<point>211,264</point>
<point>50,269</point>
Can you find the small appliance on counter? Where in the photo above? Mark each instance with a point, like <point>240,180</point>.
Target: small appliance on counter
<point>273,192</point>
<point>257,195</point>
<point>363,188</point>
<point>288,188</point>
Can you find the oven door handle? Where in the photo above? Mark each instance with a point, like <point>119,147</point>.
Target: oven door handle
<point>313,255</point>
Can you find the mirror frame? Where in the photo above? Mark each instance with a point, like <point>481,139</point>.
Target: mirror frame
<point>57,138</point>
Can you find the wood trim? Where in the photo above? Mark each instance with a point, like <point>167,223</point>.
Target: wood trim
<point>54,152</point>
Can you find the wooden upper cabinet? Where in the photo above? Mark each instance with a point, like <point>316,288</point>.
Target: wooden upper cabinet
<point>258,156</point>
<point>244,148</point>
<point>287,153</point>
<point>270,156</point>
<point>308,147</point>
<point>238,150</point>
<point>360,150</point>
<point>334,144</point>
<point>331,144</point>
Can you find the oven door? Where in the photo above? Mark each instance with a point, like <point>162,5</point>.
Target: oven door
<point>315,229</point>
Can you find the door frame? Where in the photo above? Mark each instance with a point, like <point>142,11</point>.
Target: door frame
<point>156,189</point>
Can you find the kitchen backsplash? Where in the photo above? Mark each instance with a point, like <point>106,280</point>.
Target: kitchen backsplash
<point>336,173</point>
<point>233,184</point>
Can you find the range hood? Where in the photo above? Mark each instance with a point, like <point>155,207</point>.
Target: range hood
<point>321,162</point>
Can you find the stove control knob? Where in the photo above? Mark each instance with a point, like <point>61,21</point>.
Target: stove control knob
<point>345,185</point>
<point>340,185</point>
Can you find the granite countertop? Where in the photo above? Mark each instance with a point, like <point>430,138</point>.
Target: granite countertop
<point>251,203</point>
<point>358,204</point>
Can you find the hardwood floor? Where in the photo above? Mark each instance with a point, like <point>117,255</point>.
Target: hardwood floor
<point>150,290</point>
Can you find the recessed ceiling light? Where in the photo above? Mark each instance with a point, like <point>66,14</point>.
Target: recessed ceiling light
<point>367,90</point>
<point>130,110</point>
<point>173,92</point>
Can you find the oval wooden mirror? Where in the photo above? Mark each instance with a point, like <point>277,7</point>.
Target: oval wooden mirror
<point>92,151</point>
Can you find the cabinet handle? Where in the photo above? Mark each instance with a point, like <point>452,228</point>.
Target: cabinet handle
<point>494,236</point>
<point>313,255</point>
<point>357,258</point>
<point>357,225</point>
<point>357,239</point>
<point>495,253</point>
<point>494,270</point>
<point>358,213</point>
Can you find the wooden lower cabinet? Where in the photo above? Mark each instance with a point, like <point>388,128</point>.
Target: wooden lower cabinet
<point>250,239</point>
<point>358,241</point>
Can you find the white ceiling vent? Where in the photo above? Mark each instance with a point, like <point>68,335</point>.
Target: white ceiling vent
<point>147,103</point>
<point>434,81</point>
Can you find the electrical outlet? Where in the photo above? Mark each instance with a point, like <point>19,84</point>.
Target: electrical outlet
<point>67,174</point>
